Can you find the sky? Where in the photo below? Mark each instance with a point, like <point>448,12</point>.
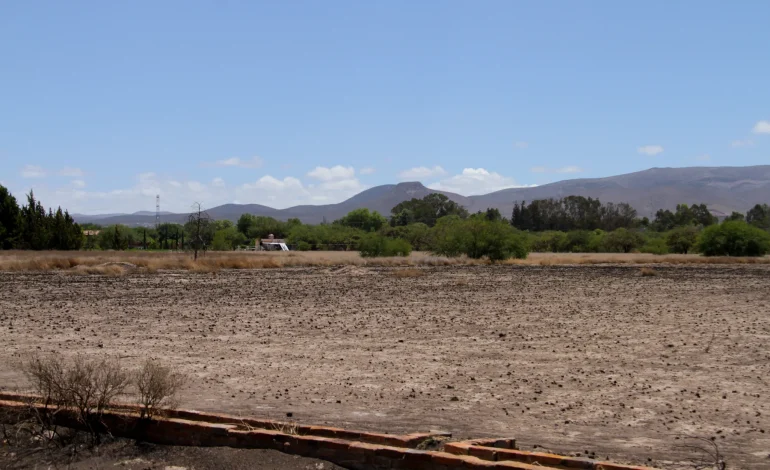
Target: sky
<point>104,105</point>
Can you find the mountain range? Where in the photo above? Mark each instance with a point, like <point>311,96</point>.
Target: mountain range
<point>722,189</point>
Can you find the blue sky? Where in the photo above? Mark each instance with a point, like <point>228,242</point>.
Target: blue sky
<point>105,104</point>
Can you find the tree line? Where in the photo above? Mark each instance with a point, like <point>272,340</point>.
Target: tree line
<point>30,227</point>
<point>433,223</point>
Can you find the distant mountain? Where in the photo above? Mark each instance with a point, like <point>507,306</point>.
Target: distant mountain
<point>723,189</point>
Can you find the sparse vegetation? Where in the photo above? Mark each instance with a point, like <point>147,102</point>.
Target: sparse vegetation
<point>157,386</point>
<point>99,263</point>
<point>647,272</point>
<point>88,387</point>
<point>408,272</point>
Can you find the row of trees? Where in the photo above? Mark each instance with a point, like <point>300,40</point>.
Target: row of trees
<point>30,227</point>
<point>433,223</point>
<point>572,213</point>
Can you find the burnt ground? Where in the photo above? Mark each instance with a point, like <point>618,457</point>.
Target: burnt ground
<point>77,453</point>
<point>572,359</point>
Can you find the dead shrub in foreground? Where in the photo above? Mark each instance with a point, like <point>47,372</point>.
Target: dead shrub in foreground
<point>158,387</point>
<point>708,454</point>
<point>87,387</point>
<point>648,272</point>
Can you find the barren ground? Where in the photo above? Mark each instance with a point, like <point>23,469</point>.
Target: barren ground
<point>567,358</point>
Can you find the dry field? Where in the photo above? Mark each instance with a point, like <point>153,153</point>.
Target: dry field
<point>115,262</point>
<point>571,358</point>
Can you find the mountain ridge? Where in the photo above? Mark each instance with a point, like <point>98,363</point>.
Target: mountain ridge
<point>722,189</point>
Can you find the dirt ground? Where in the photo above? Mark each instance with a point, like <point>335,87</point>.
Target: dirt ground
<point>575,359</point>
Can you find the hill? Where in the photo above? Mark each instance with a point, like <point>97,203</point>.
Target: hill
<point>723,189</point>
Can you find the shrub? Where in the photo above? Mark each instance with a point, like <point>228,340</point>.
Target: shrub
<point>158,386</point>
<point>374,245</point>
<point>682,239</point>
<point>303,246</point>
<point>478,237</point>
<point>397,247</point>
<point>734,238</point>
<point>577,241</point>
<point>622,240</point>
<point>655,246</point>
<point>88,386</point>
<point>447,236</point>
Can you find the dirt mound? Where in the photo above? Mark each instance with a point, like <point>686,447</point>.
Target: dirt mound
<point>110,269</point>
<point>350,270</point>
<point>121,264</point>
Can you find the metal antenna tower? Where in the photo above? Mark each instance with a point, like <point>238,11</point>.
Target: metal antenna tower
<point>157,211</point>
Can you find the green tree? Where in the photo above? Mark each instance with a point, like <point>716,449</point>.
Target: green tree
<point>363,219</point>
<point>735,216</point>
<point>227,239</point>
<point>623,240</point>
<point>10,220</point>
<point>759,216</point>
<point>682,239</point>
<point>734,238</point>
<point>114,237</point>
<point>426,210</point>
<point>478,237</point>
<point>35,227</point>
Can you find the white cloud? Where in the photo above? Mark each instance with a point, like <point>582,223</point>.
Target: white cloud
<point>33,171</point>
<point>176,195</point>
<point>196,187</point>
<point>521,145</point>
<point>337,172</point>
<point>742,143</point>
<point>762,127</point>
<point>253,162</point>
<point>421,172</point>
<point>367,171</point>
<point>475,181</point>
<point>650,150</point>
<point>349,184</point>
<point>270,183</point>
<point>71,172</point>
<point>564,169</point>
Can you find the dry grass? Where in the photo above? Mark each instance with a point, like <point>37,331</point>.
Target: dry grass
<point>555,259</point>
<point>120,263</point>
<point>408,272</point>
<point>648,272</point>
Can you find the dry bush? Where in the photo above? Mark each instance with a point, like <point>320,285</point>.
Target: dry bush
<point>708,455</point>
<point>158,387</point>
<point>648,272</point>
<point>87,386</point>
<point>111,270</point>
<point>290,428</point>
<point>408,272</point>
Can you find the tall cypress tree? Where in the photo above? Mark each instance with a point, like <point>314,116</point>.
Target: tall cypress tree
<point>10,220</point>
